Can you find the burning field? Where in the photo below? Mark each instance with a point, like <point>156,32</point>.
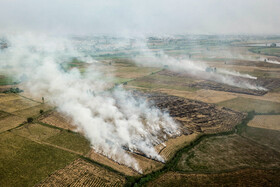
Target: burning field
<point>128,117</point>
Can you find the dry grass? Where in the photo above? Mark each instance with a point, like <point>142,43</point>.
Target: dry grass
<point>10,122</point>
<point>36,131</point>
<point>82,173</point>
<point>170,147</point>
<point>8,97</point>
<point>267,137</point>
<point>248,104</point>
<point>146,165</point>
<point>161,81</point>
<point>24,162</point>
<point>227,153</point>
<point>31,96</point>
<point>16,104</point>
<point>71,141</point>
<point>266,121</point>
<point>208,96</point>
<point>108,162</point>
<point>133,72</point>
<point>4,114</point>
<point>270,96</point>
<point>32,111</point>
<point>245,177</point>
<point>58,120</point>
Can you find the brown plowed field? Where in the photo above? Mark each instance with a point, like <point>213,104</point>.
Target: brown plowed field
<point>58,120</point>
<point>266,121</point>
<point>106,161</point>
<point>82,173</point>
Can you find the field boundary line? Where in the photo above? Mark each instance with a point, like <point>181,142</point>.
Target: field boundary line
<point>29,98</point>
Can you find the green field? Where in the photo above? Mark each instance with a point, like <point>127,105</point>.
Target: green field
<point>267,137</point>
<point>225,153</point>
<point>35,131</point>
<point>247,104</point>
<point>263,73</point>
<point>250,177</point>
<point>25,163</point>
<point>54,136</point>
<point>5,80</point>
<point>158,81</point>
<point>271,51</point>
<point>70,140</point>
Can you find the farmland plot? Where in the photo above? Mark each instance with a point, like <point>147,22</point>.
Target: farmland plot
<point>58,120</point>
<point>266,121</point>
<point>82,173</point>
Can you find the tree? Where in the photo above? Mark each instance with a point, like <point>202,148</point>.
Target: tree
<point>30,120</point>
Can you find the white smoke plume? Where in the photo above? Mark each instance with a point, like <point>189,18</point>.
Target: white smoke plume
<point>112,120</point>
<point>235,73</point>
<point>197,68</point>
<point>269,61</point>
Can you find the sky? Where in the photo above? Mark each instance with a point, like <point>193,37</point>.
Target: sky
<point>126,17</point>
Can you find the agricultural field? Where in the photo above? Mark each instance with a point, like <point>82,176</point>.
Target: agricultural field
<point>133,72</point>
<point>20,157</point>
<point>70,140</point>
<point>33,111</point>
<point>248,104</point>
<point>157,81</point>
<point>267,137</point>
<point>6,80</point>
<point>35,131</point>
<point>218,144</point>
<point>271,122</point>
<point>83,173</point>
<point>10,122</point>
<point>207,96</point>
<point>58,120</point>
<point>223,153</point>
<point>145,164</point>
<point>15,105</point>
<point>112,164</point>
<point>196,116</point>
<point>249,177</point>
<point>271,51</point>
<point>171,146</point>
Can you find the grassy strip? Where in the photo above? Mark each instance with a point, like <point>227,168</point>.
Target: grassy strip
<point>171,165</point>
<point>9,130</point>
<point>29,98</point>
<point>7,80</point>
<point>270,113</point>
<point>52,126</point>
<point>270,51</point>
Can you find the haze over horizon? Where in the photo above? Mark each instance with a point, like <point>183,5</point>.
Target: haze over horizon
<point>140,17</point>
